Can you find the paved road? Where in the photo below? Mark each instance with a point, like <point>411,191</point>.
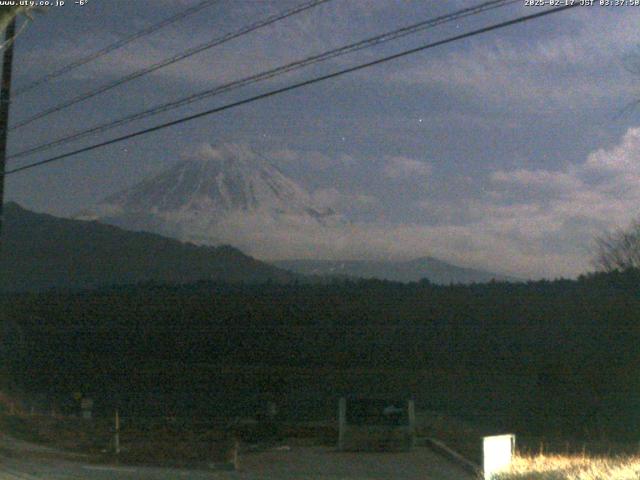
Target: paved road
<point>327,464</point>
<point>13,469</point>
<point>312,463</point>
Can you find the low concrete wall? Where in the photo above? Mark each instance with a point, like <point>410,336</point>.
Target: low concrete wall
<point>439,447</point>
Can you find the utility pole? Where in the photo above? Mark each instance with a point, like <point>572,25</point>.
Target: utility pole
<point>5,99</point>
<point>116,435</point>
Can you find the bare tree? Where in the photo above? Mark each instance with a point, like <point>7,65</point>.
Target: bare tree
<point>619,250</point>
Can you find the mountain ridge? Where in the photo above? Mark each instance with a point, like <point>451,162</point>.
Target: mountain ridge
<point>433,269</point>
<point>41,251</point>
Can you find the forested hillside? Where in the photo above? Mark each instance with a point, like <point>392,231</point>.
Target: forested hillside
<point>556,356</point>
<point>42,251</point>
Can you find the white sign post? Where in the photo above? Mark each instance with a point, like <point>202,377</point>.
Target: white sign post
<point>497,452</point>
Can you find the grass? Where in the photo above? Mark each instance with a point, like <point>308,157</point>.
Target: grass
<point>152,443</point>
<point>572,467</point>
<point>174,443</point>
<point>168,447</point>
<point>72,434</point>
<point>540,458</point>
<point>166,442</point>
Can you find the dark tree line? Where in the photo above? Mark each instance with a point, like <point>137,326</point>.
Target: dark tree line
<point>559,356</point>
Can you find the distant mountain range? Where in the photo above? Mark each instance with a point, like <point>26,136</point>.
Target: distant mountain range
<point>224,195</point>
<point>41,251</point>
<point>229,194</point>
<point>436,271</point>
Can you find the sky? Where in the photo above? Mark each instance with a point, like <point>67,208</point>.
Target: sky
<point>509,151</point>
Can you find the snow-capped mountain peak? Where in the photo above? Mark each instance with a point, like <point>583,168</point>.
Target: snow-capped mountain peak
<point>219,195</point>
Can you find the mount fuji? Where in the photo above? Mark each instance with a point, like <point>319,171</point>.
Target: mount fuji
<point>223,195</point>
<point>230,195</point>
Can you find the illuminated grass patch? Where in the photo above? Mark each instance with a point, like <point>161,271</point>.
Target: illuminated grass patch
<point>559,467</point>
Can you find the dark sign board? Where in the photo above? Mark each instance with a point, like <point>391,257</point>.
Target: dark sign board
<point>366,411</point>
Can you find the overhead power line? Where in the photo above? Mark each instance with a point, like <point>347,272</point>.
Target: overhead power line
<point>268,74</point>
<point>169,61</point>
<point>295,86</point>
<point>114,46</point>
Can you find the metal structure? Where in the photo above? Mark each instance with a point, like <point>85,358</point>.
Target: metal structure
<point>374,424</point>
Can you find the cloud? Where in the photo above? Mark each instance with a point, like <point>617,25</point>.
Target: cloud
<point>538,180</point>
<point>621,160</point>
<point>544,221</point>
<point>304,34</point>
<point>309,159</point>
<point>462,245</point>
<point>400,168</point>
<point>575,203</point>
<point>527,222</point>
<point>340,201</point>
<point>604,189</point>
<point>541,73</point>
